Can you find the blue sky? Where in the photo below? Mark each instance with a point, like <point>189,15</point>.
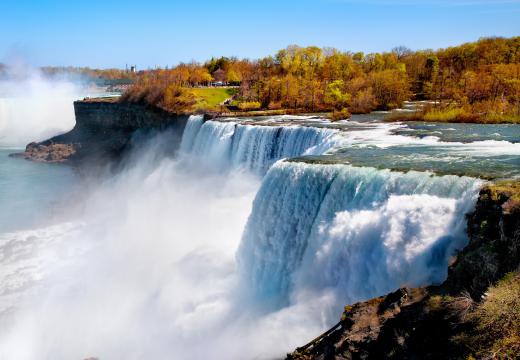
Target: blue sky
<point>152,33</point>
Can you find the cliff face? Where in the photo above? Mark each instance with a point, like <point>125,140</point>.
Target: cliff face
<point>104,130</point>
<point>431,322</point>
<point>494,246</point>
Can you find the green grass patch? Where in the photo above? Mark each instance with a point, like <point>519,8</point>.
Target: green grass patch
<point>211,98</point>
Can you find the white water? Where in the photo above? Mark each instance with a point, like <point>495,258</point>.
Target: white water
<point>253,148</point>
<point>158,264</point>
<point>381,135</point>
<point>355,232</point>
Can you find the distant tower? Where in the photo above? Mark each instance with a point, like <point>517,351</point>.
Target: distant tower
<point>133,68</point>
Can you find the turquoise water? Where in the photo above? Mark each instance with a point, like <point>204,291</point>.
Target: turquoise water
<point>482,151</point>
<point>463,132</point>
<point>31,193</point>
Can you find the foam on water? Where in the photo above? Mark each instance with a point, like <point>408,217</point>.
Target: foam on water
<point>358,232</point>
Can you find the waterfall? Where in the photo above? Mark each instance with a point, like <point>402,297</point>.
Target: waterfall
<point>252,147</point>
<point>359,232</point>
<point>172,252</point>
<point>190,132</point>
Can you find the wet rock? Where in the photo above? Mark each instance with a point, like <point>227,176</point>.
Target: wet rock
<point>50,153</point>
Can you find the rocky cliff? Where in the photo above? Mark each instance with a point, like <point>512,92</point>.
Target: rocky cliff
<point>436,322</point>
<point>104,129</point>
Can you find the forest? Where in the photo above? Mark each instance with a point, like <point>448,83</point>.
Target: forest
<point>472,82</point>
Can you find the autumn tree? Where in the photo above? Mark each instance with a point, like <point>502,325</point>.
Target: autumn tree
<point>336,96</point>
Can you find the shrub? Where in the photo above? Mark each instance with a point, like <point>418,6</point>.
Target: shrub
<point>176,98</point>
<point>168,97</point>
<point>363,102</point>
<point>249,105</point>
<point>405,116</point>
<point>343,114</point>
<point>274,105</point>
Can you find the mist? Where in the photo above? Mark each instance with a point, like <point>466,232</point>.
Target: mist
<point>147,271</point>
<point>34,107</point>
<point>157,265</point>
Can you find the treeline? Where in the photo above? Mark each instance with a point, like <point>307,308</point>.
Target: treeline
<point>89,73</point>
<point>83,73</point>
<point>481,78</point>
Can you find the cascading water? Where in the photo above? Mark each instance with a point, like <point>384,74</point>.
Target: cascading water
<point>149,267</point>
<point>360,232</point>
<point>357,231</point>
<point>251,147</point>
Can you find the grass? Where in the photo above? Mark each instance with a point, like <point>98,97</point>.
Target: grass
<point>211,98</point>
<point>497,321</point>
<point>509,188</point>
<point>449,115</point>
<point>453,115</point>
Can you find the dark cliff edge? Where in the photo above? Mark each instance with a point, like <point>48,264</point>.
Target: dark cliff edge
<point>468,316</point>
<point>103,131</point>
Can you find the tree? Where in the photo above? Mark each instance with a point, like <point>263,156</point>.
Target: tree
<point>335,95</point>
<point>232,76</point>
<point>401,52</point>
<point>390,88</point>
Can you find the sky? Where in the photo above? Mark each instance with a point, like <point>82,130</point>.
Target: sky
<point>150,33</point>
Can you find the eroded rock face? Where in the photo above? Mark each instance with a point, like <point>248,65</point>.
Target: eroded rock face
<point>103,130</point>
<point>426,323</point>
<point>405,324</point>
<point>494,243</point>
